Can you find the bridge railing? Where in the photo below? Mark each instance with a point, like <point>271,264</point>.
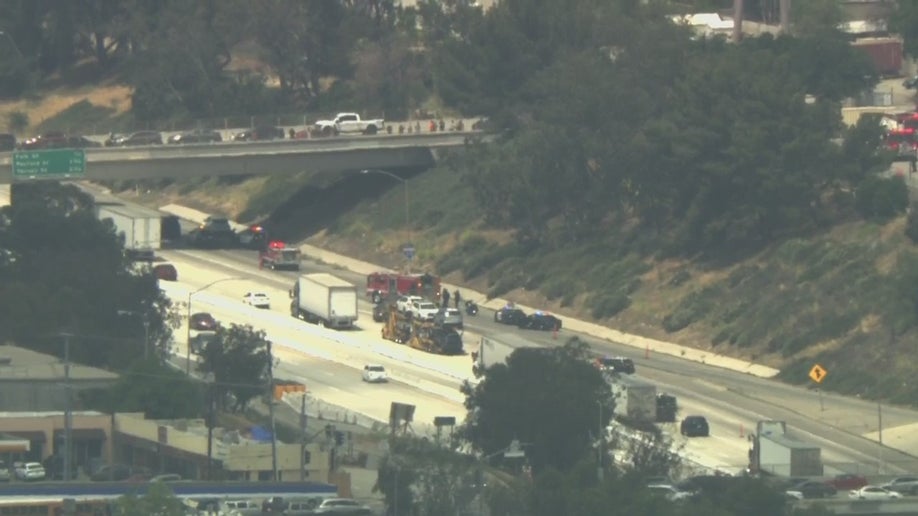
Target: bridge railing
<point>289,119</point>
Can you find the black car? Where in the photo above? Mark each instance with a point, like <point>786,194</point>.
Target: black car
<point>7,142</point>
<point>214,232</point>
<point>81,142</point>
<point>196,136</point>
<point>540,321</point>
<point>138,138</point>
<point>170,230</point>
<point>203,321</point>
<point>109,472</point>
<point>695,426</point>
<point>814,489</point>
<point>509,315</point>
<point>619,365</point>
<point>260,133</point>
<point>254,237</point>
<point>911,83</point>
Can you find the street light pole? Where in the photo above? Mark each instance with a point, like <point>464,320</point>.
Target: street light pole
<point>271,413</point>
<point>188,321</point>
<point>407,203</point>
<point>68,409</point>
<point>13,43</point>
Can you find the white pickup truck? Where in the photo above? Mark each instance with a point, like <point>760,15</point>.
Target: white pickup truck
<point>349,123</point>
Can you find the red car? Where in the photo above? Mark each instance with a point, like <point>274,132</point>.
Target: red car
<point>847,481</point>
<point>165,272</point>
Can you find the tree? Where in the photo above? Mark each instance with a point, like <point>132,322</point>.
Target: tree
<point>157,390</point>
<point>547,398</point>
<point>65,271</point>
<point>422,477</point>
<point>904,21</point>
<point>238,358</point>
<point>158,500</point>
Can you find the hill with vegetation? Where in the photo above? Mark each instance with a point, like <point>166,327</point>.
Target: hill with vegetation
<point>687,189</point>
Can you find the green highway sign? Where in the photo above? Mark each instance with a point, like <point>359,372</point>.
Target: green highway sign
<point>49,164</point>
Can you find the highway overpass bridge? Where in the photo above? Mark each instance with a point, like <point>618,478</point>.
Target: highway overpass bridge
<point>254,158</point>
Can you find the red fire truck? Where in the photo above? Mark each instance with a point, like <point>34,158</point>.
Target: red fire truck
<point>383,284</point>
<point>279,256</point>
<point>903,141</point>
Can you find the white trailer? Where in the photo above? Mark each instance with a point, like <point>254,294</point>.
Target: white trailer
<point>492,352</point>
<point>137,227</point>
<point>634,399</point>
<point>323,298</point>
<point>784,456</point>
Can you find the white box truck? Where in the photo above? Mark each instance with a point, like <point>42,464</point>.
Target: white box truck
<point>634,399</point>
<point>323,298</point>
<point>138,227</point>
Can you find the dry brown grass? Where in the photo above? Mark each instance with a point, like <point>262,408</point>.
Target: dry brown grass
<point>114,96</point>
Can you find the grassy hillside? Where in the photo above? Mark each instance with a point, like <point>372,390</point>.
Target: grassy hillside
<point>799,302</point>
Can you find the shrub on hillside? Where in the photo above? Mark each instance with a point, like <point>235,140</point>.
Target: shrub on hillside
<point>609,304</point>
<point>881,197</point>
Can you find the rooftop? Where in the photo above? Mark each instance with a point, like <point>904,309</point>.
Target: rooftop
<point>17,364</point>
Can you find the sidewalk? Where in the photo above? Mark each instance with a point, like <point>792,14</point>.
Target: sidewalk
<point>594,330</point>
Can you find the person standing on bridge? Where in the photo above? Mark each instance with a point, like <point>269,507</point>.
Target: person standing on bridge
<point>457,298</point>
<point>445,296</point>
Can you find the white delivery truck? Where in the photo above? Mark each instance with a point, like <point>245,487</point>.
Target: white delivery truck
<point>138,227</point>
<point>323,298</point>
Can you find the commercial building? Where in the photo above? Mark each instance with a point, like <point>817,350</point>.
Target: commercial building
<point>35,382</point>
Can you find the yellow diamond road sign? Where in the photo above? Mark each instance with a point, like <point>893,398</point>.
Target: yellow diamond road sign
<point>817,373</point>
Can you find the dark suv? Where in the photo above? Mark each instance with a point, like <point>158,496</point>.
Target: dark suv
<point>215,232</point>
<point>620,365</point>
<point>695,426</point>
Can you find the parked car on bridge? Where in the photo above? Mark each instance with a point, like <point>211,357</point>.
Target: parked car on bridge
<point>138,138</point>
<point>50,140</point>
<point>196,136</point>
<point>7,142</point>
<point>260,133</point>
<point>810,489</point>
<point>873,493</point>
<point>81,142</point>
<point>904,485</point>
<point>847,481</point>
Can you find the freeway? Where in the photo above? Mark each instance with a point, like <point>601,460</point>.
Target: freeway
<point>731,401</point>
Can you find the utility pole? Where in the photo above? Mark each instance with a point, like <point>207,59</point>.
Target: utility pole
<point>68,409</point>
<point>880,435</point>
<point>737,20</point>
<point>784,13</point>
<point>210,428</point>
<point>599,447</point>
<point>303,438</point>
<point>271,413</point>
<point>146,336</point>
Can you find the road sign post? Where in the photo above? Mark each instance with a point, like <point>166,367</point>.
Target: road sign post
<point>408,249</point>
<point>818,374</point>
<point>49,164</point>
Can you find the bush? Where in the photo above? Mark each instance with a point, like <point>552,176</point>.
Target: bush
<point>692,308</point>
<point>609,304</point>
<point>881,197</point>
